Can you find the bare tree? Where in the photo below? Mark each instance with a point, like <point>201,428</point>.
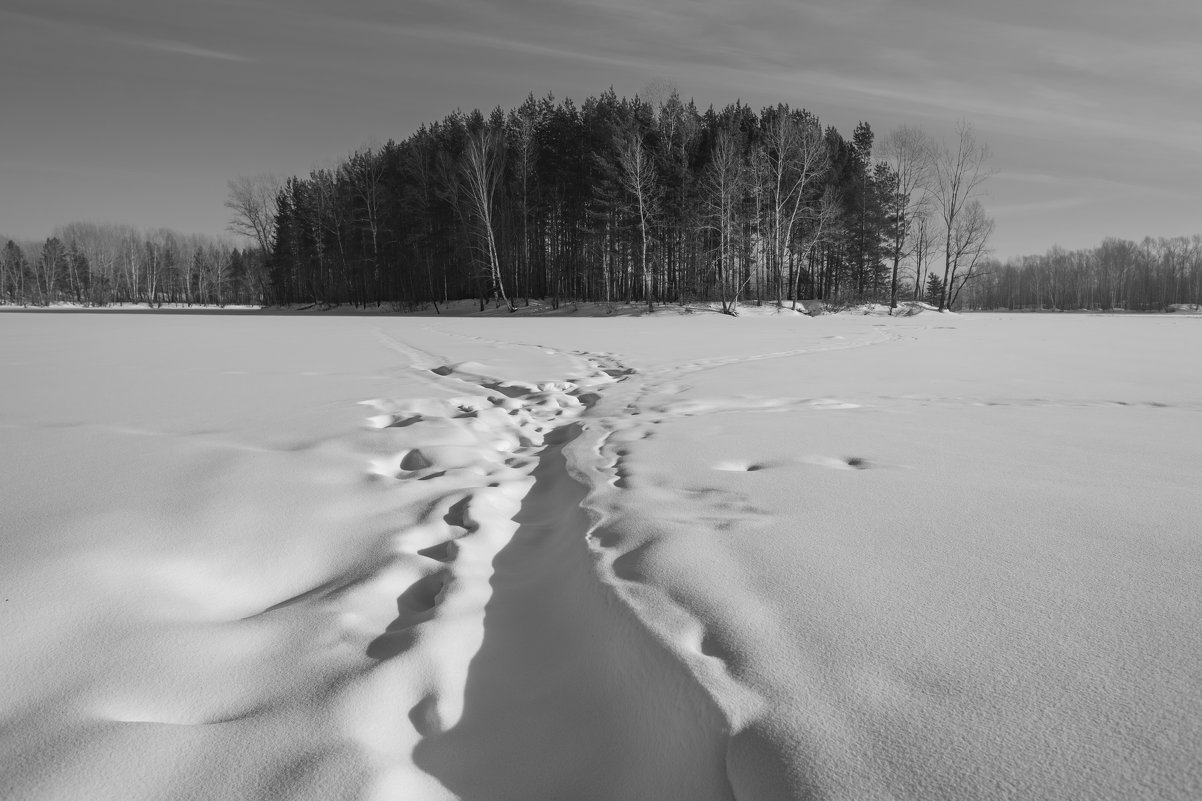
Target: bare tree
<point>793,156</point>
<point>724,184</point>
<point>130,259</point>
<point>973,229</point>
<point>641,182</point>
<point>154,251</point>
<point>821,219</point>
<point>960,170</point>
<point>100,246</point>
<point>215,262</point>
<point>253,203</point>
<point>924,237</point>
<point>482,168</point>
<point>909,152</point>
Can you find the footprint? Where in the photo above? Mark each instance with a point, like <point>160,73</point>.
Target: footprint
<point>391,643</point>
<point>415,605</point>
<point>442,552</point>
<point>607,537</point>
<point>414,460</point>
<point>712,648</point>
<point>458,515</point>
<point>739,467</point>
<point>631,566</point>
<point>589,399</point>
<point>511,389</point>
<point>407,421</point>
<point>842,462</point>
<point>422,596</point>
<point>425,718</point>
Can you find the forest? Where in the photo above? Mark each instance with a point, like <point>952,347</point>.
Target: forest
<point>1151,275</point>
<point>101,264</point>
<point>616,200</point>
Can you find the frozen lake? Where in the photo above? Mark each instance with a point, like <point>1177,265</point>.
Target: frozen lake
<point>670,556</point>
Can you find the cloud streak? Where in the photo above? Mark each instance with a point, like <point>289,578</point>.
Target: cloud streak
<point>184,49</point>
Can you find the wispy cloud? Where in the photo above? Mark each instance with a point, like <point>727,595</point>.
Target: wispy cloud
<point>84,23</point>
<point>184,49</point>
<point>514,44</point>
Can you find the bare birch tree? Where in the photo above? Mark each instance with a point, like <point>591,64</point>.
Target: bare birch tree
<point>724,184</point>
<point>482,169</point>
<point>794,157</point>
<point>641,182</point>
<point>820,218</point>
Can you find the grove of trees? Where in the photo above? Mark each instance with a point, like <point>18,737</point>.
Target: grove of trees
<point>621,200</point>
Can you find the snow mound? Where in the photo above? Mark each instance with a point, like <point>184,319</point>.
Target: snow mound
<point>593,309</point>
<point>905,308</point>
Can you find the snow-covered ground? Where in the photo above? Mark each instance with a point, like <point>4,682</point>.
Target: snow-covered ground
<point>678,556</point>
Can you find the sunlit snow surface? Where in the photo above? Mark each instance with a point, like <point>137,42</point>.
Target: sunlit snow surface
<point>660,557</point>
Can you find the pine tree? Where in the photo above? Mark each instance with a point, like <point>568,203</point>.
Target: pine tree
<point>934,289</point>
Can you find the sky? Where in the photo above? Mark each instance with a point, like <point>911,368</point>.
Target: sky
<point>141,111</point>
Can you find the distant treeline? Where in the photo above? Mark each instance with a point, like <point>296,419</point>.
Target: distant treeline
<point>98,265</point>
<point>1118,274</point>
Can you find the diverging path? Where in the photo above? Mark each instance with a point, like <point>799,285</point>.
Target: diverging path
<point>515,667</point>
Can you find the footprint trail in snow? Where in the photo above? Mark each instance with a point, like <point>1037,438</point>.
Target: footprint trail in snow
<point>507,642</point>
<point>548,663</point>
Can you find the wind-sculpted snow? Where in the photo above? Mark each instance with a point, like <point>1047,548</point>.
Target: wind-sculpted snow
<point>671,557</point>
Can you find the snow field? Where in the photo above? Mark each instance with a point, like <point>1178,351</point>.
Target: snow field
<point>774,557</point>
